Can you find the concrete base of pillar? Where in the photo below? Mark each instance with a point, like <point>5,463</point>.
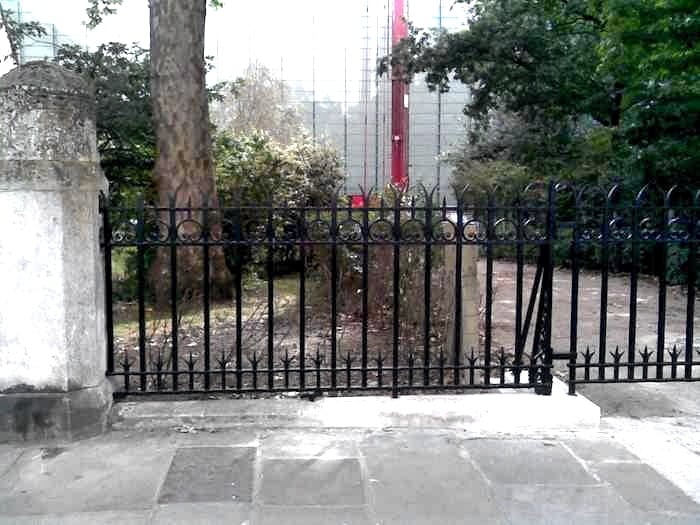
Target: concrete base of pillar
<point>60,416</point>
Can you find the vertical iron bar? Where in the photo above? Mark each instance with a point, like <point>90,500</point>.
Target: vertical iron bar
<point>302,301</point>
<point>365,286</point>
<point>334,292</point>
<point>206,284</point>
<point>127,376</point>
<point>552,235</point>
<point>396,293</point>
<point>573,335</point>
<point>238,284</point>
<point>459,243</point>
<point>605,256</point>
<point>489,290</point>
<point>634,285</point>
<point>173,290</point>
<point>427,285</point>
<point>692,278</point>
<point>141,277</point>
<point>270,297</point>
<point>661,323</point>
<point>109,310</point>
<point>519,277</point>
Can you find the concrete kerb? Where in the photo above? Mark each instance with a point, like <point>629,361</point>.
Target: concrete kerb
<point>500,412</point>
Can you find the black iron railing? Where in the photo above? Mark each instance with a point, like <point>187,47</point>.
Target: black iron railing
<point>162,337</point>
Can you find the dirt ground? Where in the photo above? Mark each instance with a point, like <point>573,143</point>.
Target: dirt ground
<point>589,308</point>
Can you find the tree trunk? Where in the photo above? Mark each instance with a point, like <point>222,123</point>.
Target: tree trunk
<point>184,165</point>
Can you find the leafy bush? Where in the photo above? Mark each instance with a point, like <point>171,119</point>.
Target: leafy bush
<point>253,170</point>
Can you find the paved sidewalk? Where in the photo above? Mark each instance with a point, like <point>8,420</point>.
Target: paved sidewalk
<point>349,476</point>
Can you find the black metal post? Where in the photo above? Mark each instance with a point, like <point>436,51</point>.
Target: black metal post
<point>174,320</point>
<point>109,307</point>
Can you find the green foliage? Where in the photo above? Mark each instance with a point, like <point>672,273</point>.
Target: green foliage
<point>590,90</point>
<point>256,169</point>
<point>652,46</point>
<point>125,135</point>
<point>536,59</point>
<point>98,9</point>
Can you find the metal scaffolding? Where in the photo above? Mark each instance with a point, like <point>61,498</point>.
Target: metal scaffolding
<point>353,113</point>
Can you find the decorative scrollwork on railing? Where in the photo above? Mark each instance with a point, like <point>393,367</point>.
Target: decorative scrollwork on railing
<point>123,228</point>
<point>412,230</point>
<point>678,229</point>
<point>505,230</point>
<point>474,230</point>
<point>444,230</point>
<point>254,230</point>
<point>319,230</point>
<point>620,229</point>
<point>534,229</point>
<point>381,230</point>
<point>189,230</point>
<point>350,230</point>
<point>649,229</point>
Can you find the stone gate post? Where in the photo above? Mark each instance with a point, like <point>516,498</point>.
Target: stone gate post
<point>52,328</point>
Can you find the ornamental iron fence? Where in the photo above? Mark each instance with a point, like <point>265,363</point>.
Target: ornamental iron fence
<point>370,294</point>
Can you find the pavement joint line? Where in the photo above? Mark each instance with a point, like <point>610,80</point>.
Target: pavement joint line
<point>257,476</point>
<point>367,485</point>
<point>12,464</point>
<point>306,506</point>
<point>159,488</point>
<point>620,462</point>
<point>464,453</point>
<point>322,457</point>
<point>580,460</point>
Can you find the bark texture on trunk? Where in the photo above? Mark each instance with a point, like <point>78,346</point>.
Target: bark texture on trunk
<point>184,165</point>
<point>181,109</point>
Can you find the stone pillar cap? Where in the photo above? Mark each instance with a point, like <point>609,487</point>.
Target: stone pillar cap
<point>48,77</point>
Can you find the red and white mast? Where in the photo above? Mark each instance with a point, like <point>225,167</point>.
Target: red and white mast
<point>399,106</point>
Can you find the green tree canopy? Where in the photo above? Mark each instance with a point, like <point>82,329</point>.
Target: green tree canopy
<point>125,136</point>
<point>568,69</point>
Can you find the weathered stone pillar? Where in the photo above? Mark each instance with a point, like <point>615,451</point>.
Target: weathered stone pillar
<point>470,299</point>
<point>52,327</point>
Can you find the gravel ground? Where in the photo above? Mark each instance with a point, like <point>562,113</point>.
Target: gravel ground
<point>589,308</point>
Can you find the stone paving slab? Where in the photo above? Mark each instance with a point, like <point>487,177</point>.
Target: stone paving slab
<point>311,482</point>
<point>120,517</point>
<point>415,479</point>
<point>542,503</point>
<point>92,475</point>
<point>645,489</point>
<point>8,456</point>
<point>312,476</point>
<point>209,474</point>
<point>286,443</point>
<point>202,514</point>
<point>266,515</point>
<point>526,462</point>
<point>600,450</point>
<point>630,518</point>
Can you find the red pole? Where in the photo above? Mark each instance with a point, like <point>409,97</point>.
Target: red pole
<point>399,107</point>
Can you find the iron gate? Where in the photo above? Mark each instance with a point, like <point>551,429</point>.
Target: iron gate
<point>395,243</point>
